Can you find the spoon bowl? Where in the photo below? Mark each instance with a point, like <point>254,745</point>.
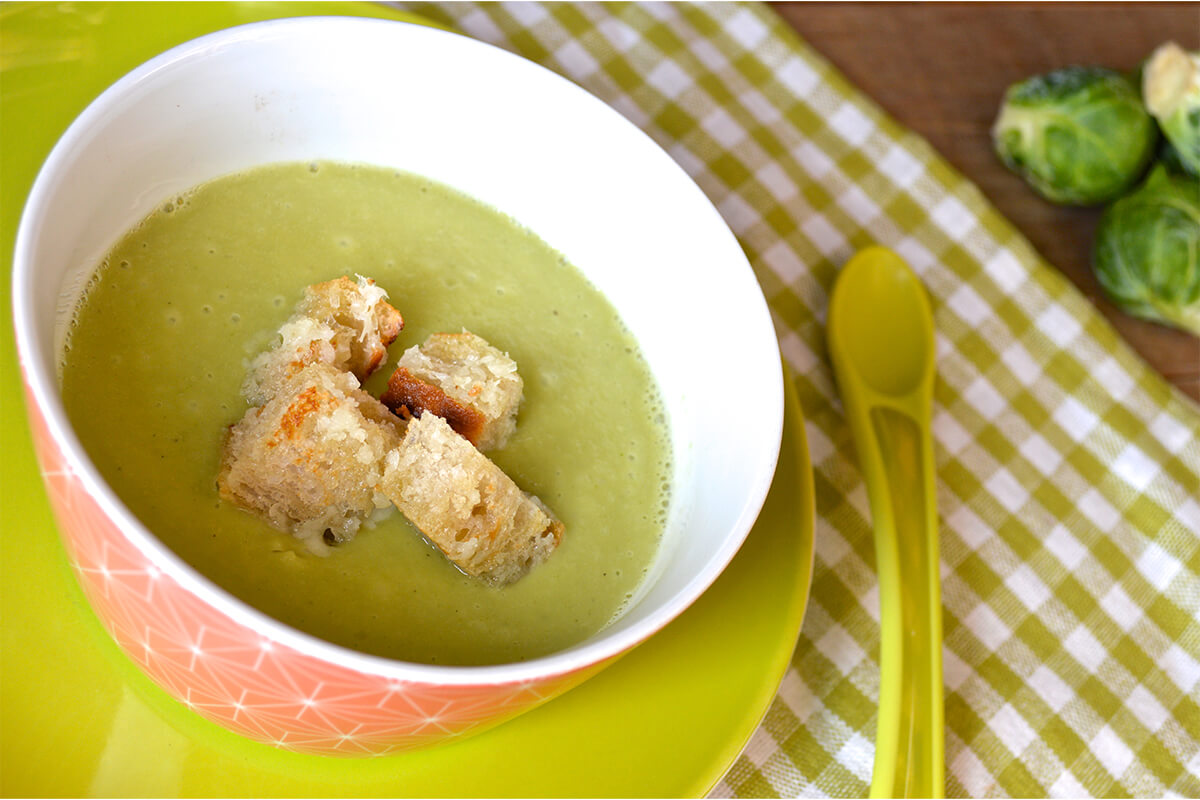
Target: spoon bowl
<point>885,323</point>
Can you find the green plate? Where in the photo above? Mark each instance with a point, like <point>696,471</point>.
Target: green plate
<point>77,718</point>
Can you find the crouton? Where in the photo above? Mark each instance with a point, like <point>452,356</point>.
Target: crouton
<point>464,380</point>
<point>466,506</point>
<point>343,323</point>
<point>310,460</point>
<point>317,456</point>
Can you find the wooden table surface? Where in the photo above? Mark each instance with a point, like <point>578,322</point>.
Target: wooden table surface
<point>941,69</point>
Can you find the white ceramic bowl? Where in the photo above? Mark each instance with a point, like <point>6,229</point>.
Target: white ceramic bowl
<point>488,123</point>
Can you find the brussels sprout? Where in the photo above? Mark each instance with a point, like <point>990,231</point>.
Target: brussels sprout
<point>1078,136</point>
<point>1147,254</point>
<point>1171,90</point>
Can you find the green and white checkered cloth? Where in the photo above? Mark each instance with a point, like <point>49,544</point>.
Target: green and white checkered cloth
<point>1069,473</point>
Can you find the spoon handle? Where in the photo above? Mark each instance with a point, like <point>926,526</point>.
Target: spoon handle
<point>911,701</point>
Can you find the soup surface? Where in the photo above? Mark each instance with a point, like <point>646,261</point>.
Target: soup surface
<point>164,332</point>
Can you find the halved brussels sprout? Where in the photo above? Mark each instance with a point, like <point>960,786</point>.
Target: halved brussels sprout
<point>1171,90</point>
<point>1079,135</point>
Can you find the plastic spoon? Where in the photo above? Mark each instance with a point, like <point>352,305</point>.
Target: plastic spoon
<point>880,332</point>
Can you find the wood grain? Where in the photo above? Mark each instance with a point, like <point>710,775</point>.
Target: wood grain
<point>941,69</point>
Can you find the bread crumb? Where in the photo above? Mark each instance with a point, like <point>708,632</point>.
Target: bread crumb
<point>310,460</point>
<point>463,379</point>
<point>466,506</point>
<point>346,324</point>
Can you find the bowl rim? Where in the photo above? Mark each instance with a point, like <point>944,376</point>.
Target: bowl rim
<point>43,393</point>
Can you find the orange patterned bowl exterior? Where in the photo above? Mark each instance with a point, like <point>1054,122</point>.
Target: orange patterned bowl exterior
<point>241,679</point>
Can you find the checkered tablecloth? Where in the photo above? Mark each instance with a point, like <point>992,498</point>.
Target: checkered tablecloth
<point>1069,473</point>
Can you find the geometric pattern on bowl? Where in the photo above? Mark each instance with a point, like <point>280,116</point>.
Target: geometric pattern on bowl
<point>244,681</point>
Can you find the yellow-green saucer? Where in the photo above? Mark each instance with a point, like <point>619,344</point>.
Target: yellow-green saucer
<point>77,718</point>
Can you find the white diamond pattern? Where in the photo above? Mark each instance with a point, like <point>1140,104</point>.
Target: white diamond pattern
<point>237,678</point>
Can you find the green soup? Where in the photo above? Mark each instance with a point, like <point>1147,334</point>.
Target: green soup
<point>159,347</point>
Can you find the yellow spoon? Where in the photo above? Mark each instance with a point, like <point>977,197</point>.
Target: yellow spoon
<point>880,331</point>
